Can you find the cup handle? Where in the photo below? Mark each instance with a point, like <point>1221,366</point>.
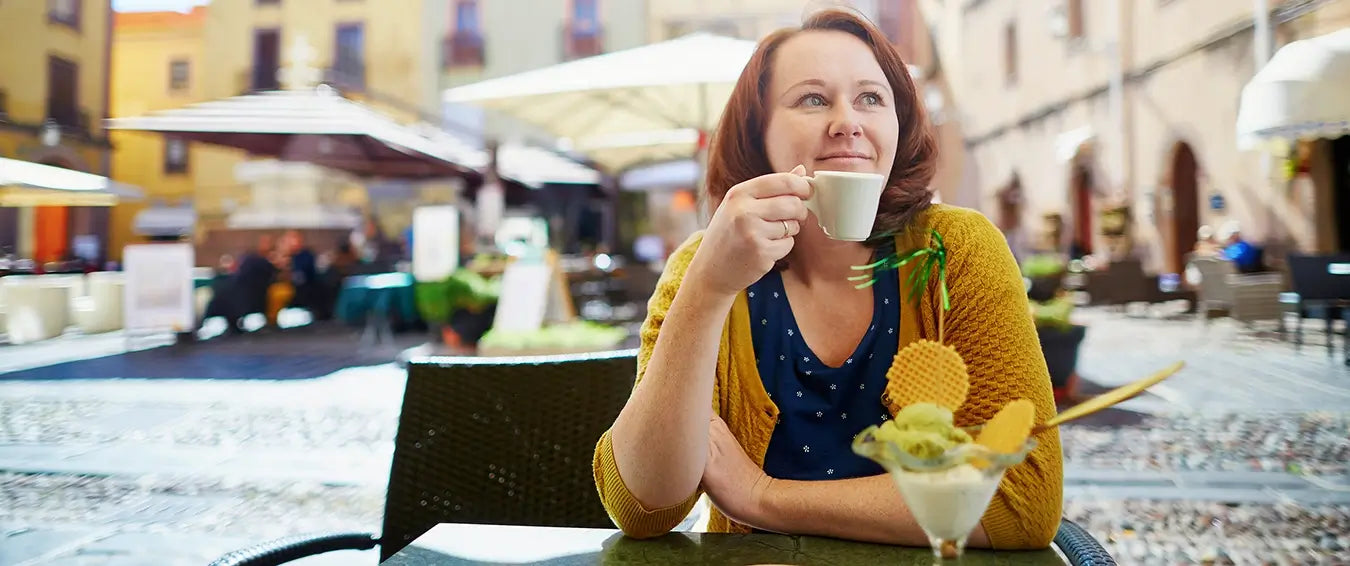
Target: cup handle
<point>811,203</point>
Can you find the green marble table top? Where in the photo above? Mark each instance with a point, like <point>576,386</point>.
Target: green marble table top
<point>460,544</point>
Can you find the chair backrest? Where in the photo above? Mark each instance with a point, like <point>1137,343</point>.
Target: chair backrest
<point>505,441</point>
<point>1214,274</point>
<point>1256,296</point>
<point>1312,277</point>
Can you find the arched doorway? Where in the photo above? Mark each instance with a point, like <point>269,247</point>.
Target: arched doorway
<point>1010,214</point>
<point>1010,205</point>
<point>1080,195</point>
<point>1179,211</point>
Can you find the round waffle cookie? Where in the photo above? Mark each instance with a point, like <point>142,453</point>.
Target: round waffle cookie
<point>928,372</point>
<point>1009,429</point>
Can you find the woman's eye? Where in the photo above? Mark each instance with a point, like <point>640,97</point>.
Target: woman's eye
<point>872,99</point>
<point>812,100</point>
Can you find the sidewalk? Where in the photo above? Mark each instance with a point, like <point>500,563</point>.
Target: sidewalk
<point>1228,368</point>
<point>168,472</point>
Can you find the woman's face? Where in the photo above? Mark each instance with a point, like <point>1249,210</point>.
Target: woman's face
<point>830,107</point>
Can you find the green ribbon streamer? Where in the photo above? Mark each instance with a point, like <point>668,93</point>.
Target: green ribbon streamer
<point>933,256</point>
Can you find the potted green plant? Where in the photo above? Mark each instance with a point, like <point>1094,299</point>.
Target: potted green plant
<point>461,306</point>
<point>1052,309</point>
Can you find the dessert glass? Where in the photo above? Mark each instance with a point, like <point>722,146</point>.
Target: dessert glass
<point>947,495</point>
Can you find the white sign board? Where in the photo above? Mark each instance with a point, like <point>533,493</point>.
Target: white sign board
<point>524,298</point>
<point>435,242</point>
<point>158,290</point>
<point>533,294</point>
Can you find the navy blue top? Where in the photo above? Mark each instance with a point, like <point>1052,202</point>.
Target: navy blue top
<point>821,408</point>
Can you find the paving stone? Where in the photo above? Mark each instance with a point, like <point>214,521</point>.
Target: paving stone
<point>27,544</point>
<point>136,421</point>
<point>169,509</point>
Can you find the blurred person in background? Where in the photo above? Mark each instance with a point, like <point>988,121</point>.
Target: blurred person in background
<point>1205,243</point>
<point>309,292</point>
<point>1245,256</point>
<point>245,291</point>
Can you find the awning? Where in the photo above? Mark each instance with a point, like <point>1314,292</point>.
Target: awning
<point>23,183</point>
<point>165,221</point>
<point>1303,92</point>
<point>535,167</point>
<point>669,175</point>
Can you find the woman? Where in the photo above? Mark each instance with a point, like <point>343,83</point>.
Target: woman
<point>793,358</point>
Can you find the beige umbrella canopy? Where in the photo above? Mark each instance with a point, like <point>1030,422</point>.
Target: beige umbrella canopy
<point>623,108</point>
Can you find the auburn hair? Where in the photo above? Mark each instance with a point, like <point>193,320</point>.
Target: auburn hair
<point>736,152</point>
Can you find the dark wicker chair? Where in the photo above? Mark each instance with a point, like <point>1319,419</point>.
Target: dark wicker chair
<point>1079,548</point>
<point>509,441</point>
<point>504,441</point>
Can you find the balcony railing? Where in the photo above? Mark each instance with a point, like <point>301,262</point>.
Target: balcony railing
<point>75,124</point>
<point>579,42</point>
<point>462,49</point>
<point>70,119</point>
<point>350,76</point>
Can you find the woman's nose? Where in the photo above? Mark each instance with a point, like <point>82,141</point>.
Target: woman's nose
<point>845,123</point>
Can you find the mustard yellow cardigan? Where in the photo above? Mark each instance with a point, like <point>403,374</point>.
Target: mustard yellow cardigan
<point>989,325</point>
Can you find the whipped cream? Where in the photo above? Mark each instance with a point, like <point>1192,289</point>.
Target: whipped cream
<point>949,503</point>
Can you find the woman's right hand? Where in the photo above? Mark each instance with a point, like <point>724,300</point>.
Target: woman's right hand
<point>751,230</point>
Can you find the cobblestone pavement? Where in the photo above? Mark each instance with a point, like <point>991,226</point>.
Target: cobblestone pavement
<point>1242,454</point>
<point>169,472</point>
<point>1193,532</point>
<point>1229,368</point>
<point>1300,443</point>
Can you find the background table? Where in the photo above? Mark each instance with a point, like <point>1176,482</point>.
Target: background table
<point>458,544</point>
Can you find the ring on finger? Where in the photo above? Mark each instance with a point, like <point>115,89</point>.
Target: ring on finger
<point>786,231</point>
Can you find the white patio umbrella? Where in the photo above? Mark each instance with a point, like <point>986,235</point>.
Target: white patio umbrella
<point>1303,92</point>
<point>619,109</point>
<point>314,124</point>
<point>24,183</point>
<point>320,126</point>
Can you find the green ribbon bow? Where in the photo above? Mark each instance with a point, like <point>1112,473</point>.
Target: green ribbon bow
<point>929,257</point>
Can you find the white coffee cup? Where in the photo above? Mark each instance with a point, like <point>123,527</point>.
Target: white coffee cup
<point>845,203</point>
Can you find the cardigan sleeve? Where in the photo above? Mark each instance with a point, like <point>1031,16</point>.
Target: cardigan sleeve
<point>990,325</point>
<point>624,509</point>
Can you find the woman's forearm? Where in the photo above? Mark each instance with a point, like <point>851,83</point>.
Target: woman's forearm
<point>866,509</point>
<point>661,436</point>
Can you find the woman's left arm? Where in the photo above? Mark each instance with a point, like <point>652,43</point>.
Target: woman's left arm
<point>867,509</point>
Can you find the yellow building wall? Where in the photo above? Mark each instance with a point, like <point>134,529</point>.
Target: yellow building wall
<point>397,55</point>
<point>400,59</point>
<point>26,38</point>
<point>144,46</point>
